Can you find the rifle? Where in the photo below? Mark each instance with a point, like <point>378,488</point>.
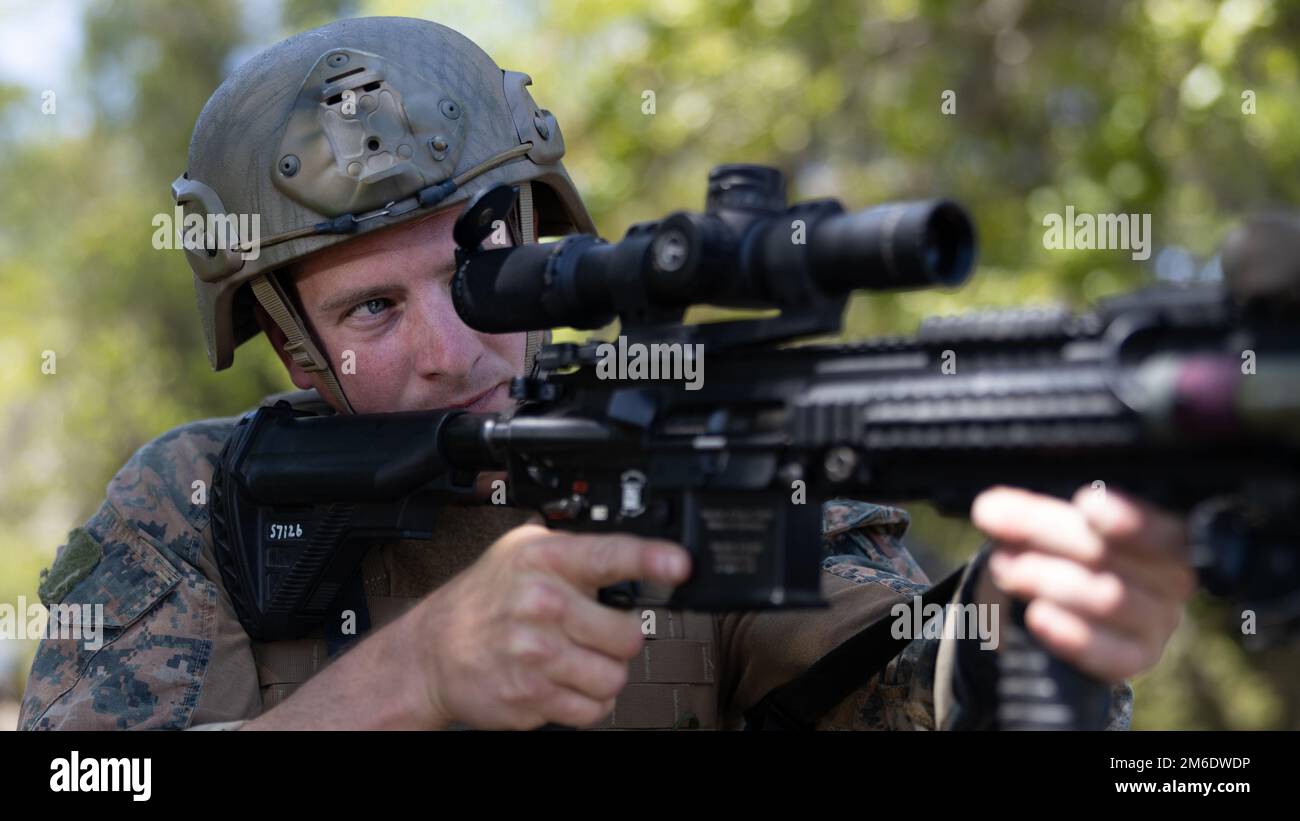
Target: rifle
<point>1148,392</point>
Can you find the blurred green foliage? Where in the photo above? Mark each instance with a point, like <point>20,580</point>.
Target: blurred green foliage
<point>1107,106</point>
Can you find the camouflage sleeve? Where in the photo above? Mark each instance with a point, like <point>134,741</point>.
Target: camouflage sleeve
<point>866,570</point>
<point>169,653</point>
<point>864,543</point>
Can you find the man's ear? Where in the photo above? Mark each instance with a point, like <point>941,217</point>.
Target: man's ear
<point>301,378</point>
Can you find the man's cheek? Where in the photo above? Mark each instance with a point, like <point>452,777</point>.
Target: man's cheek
<point>509,347</point>
<point>373,380</point>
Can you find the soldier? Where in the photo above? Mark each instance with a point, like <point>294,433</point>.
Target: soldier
<point>342,140</point>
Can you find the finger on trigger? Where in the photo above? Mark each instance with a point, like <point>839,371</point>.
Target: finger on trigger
<point>595,561</point>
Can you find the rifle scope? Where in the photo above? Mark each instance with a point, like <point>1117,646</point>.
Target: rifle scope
<point>746,250</point>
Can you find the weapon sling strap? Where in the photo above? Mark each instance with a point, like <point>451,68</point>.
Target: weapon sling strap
<point>797,704</point>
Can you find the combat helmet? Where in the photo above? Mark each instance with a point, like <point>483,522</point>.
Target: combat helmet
<point>352,127</point>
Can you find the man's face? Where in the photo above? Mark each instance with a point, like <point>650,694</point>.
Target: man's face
<point>386,297</point>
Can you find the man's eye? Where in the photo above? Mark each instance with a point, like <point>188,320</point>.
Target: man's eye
<point>371,307</point>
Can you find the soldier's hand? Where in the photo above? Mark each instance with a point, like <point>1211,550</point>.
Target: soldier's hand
<point>1105,576</point>
<point>518,639</point>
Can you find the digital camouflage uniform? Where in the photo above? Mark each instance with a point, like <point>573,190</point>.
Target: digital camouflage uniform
<point>174,656</point>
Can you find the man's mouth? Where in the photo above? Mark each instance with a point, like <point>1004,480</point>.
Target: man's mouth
<point>476,403</point>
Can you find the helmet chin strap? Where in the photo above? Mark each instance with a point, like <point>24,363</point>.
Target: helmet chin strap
<point>528,235</point>
<point>300,345</point>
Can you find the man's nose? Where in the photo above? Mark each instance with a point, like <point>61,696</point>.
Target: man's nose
<point>445,346</point>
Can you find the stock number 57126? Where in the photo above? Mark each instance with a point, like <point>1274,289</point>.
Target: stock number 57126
<point>285,531</point>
